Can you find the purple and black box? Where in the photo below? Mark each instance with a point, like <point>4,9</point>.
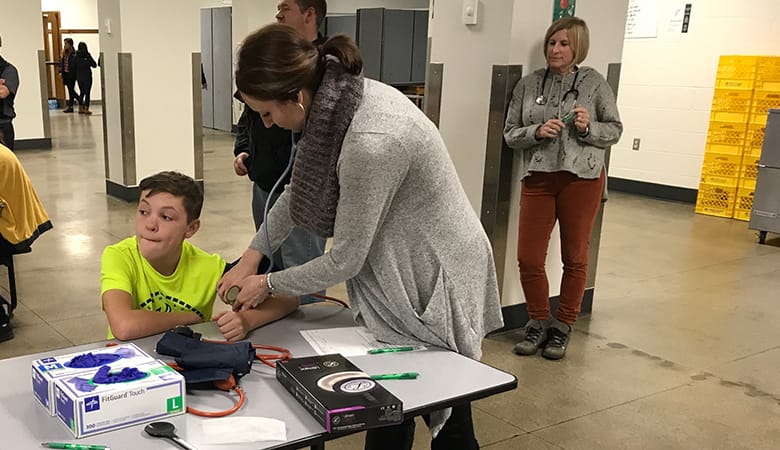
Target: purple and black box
<point>338,394</point>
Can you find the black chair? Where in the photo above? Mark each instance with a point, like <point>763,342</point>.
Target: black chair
<point>7,259</point>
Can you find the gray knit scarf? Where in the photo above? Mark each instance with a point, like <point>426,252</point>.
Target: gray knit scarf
<point>314,186</point>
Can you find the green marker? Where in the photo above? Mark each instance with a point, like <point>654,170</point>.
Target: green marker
<point>396,376</point>
<point>567,118</point>
<point>375,351</point>
<point>74,446</point>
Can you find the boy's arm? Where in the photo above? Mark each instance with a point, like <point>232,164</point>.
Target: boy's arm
<point>235,325</point>
<point>128,323</point>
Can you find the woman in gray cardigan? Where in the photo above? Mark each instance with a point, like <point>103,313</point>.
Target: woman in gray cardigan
<point>560,120</point>
<point>372,172</point>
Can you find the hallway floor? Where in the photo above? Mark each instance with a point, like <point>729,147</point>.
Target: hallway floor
<point>682,349</point>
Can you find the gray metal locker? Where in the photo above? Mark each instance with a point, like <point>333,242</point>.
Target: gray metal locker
<point>346,24</point>
<point>207,96</point>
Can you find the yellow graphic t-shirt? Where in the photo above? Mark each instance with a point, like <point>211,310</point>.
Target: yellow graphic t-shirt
<point>191,288</point>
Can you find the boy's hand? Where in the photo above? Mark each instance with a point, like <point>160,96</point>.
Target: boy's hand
<point>232,325</point>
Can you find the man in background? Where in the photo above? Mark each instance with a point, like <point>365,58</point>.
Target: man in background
<point>264,153</point>
<point>9,84</point>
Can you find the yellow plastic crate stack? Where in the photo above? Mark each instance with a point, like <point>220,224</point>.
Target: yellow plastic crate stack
<point>729,117</point>
<point>745,89</point>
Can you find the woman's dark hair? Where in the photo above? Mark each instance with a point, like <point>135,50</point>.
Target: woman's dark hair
<point>276,62</point>
<point>82,48</point>
<point>69,41</point>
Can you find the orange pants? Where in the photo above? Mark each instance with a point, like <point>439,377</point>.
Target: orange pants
<point>573,202</point>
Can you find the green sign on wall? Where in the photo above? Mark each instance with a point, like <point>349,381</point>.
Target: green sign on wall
<point>563,8</point>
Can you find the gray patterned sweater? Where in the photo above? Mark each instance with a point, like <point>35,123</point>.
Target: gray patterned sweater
<point>582,156</point>
<point>416,260</point>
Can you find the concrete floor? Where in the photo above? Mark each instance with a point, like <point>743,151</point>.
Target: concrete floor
<point>679,353</point>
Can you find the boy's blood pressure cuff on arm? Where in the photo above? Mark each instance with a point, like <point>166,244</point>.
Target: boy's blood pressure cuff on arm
<point>204,362</point>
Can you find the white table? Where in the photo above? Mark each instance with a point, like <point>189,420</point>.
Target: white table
<point>446,379</point>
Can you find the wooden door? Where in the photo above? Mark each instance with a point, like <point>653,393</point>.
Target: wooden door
<point>52,49</point>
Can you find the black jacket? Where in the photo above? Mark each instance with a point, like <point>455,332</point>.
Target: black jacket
<point>269,148</point>
<point>71,73</point>
<point>82,66</point>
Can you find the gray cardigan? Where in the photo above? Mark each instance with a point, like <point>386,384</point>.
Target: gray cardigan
<point>582,156</point>
<point>416,260</point>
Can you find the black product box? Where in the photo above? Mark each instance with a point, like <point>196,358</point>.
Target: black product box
<point>338,394</point>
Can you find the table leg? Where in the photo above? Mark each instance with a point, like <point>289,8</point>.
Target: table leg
<point>318,446</point>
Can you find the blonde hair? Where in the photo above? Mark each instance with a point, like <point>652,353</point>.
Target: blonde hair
<point>579,36</point>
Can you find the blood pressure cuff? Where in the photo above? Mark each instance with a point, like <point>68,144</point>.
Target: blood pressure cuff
<point>205,362</point>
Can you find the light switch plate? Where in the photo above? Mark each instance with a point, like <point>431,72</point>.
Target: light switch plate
<point>469,15</point>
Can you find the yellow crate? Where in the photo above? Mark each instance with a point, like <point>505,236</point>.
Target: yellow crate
<point>731,100</point>
<point>724,149</point>
<point>734,83</point>
<point>715,200</point>
<point>757,119</point>
<point>743,204</point>
<point>766,85</point>
<point>728,133</point>
<point>737,66</point>
<point>768,67</point>
<point>763,101</point>
<point>751,152</point>
<point>749,168</point>
<point>721,166</point>
<point>755,135</point>
<point>723,116</point>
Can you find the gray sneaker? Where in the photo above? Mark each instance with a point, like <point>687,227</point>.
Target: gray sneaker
<point>557,340</point>
<point>535,334</point>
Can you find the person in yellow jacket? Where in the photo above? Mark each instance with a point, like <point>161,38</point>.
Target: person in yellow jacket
<point>22,219</point>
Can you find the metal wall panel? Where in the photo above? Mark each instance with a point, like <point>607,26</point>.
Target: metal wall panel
<point>127,117</point>
<point>44,99</point>
<point>103,117</point>
<point>197,117</point>
<point>497,181</point>
<point>221,82</point>
<point>433,86</point>
<point>207,95</point>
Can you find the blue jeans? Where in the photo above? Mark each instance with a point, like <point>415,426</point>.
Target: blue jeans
<point>300,246</point>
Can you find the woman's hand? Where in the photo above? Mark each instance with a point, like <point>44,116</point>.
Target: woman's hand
<point>233,325</point>
<point>254,291</point>
<point>246,267</point>
<point>582,121</point>
<point>550,129</point>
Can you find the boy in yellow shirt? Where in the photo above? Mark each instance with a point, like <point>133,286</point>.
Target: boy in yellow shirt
<point>156,280</point>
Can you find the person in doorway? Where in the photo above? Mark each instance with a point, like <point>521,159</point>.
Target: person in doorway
<point>9,85</point>
<point>68,73</point>
<point>83,64</point>
<point>263,153</point>
<point>560,120</point>
<point>372,172</point>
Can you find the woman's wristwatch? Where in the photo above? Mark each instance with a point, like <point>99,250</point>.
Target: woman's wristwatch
<point>585,133</point>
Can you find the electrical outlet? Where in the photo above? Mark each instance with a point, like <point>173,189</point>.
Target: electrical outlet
<point>635,145</point>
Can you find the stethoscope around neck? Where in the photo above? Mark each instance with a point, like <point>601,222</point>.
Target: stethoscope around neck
<point>542,100</point>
